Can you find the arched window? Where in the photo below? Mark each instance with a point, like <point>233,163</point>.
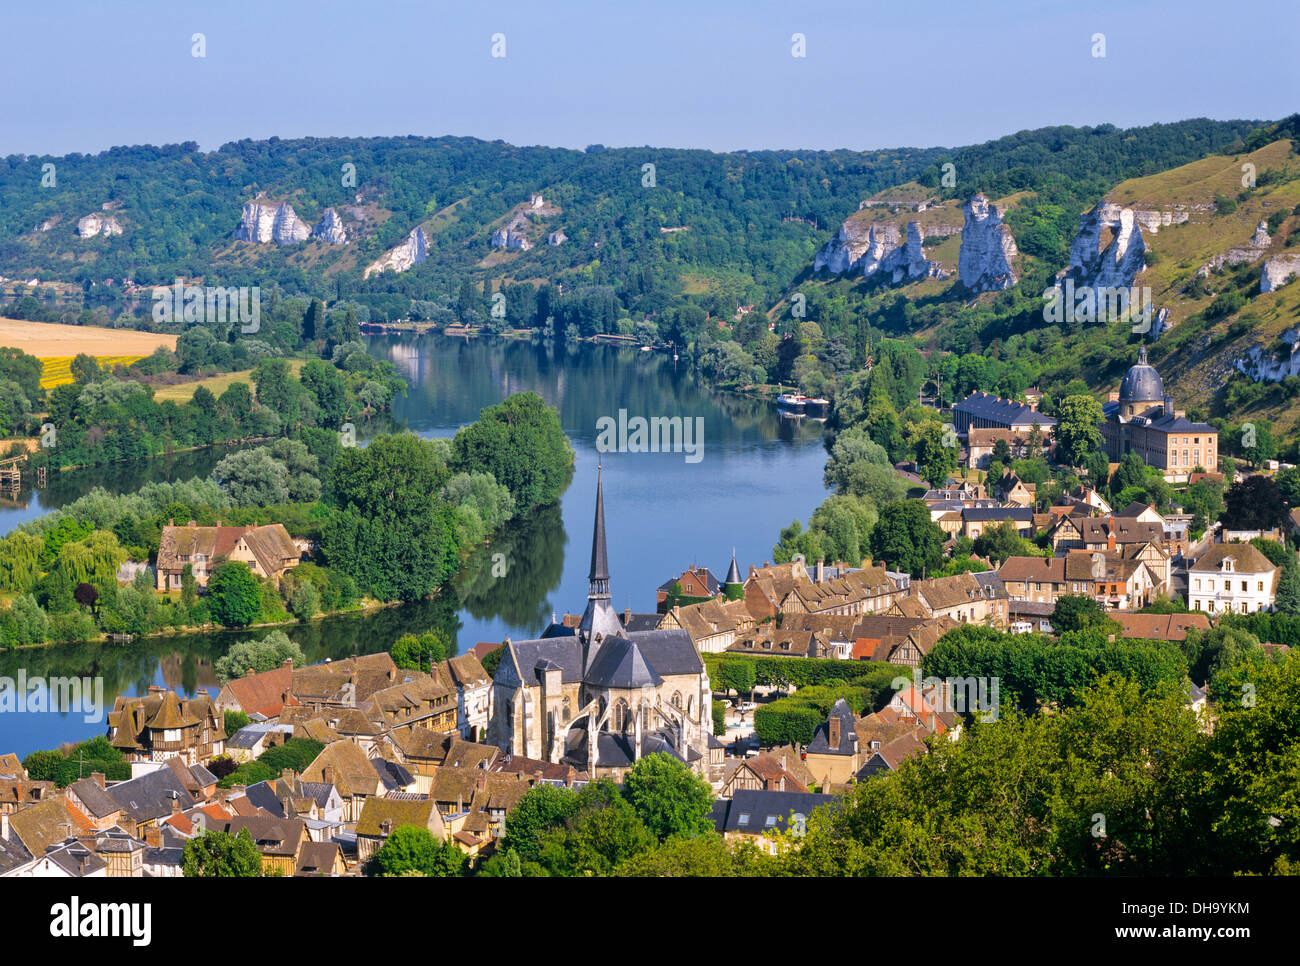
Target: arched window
<point>621,718</point>
<point>677,699</point>
<point>567,710</point>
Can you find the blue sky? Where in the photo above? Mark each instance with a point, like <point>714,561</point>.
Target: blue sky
<point>84,75</point>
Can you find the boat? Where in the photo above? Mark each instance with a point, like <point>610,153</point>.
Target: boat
<point>792,402</point>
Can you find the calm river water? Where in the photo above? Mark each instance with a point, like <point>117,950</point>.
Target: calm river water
<point>755,473</point>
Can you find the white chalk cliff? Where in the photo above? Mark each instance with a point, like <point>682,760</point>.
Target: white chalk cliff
<point>1277,271</point>
<point>1121,261</point>
<point>330,229</point>
<point>262,222</point>
<point>1262,365</point>
<point>987,249</point>
<point>93,225</point>
<point>880,248</point>
<point>1242,254</point>
<point>410,252</point>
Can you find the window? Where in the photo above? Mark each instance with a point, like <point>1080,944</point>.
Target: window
<point>1260,585</point>
<point>1244,586</point>
<point>1198,583</point>
<point>1211,606</point>
<point>744,819</point>
<point>771,821</point>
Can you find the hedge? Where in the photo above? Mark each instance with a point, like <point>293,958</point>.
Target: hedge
<point>795,718</point>
<point>800,671</point>
<point>719,719</point>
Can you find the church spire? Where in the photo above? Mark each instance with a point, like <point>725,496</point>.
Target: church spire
<point>599,575</point>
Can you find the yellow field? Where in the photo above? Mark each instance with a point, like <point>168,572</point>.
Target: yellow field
<point>57,372</point>
<point>183,392</point>
<point>56,345</point>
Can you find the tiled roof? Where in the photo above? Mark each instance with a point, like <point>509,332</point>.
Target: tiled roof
<point>1162,627</point>
<point>1246,559</point>
<point>982,405</point>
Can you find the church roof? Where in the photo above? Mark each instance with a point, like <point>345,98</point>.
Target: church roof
<point>1142,383</point>
<point>620,664</point>
<point>599,556</point>
<point>733,572</point>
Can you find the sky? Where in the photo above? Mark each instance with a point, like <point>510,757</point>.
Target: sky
<point>85,75</point>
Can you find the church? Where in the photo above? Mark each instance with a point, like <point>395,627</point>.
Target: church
<point>1141,419</point>
<point>599,697</point>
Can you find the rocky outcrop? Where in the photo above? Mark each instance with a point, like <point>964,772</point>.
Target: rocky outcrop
<point>411,252</point>
<point>513,233</point>
<point>556,238</point>
<point>93,225</point>
<point>1263,365</point>
<point>1277,271</point>
<point>987,249</point>
<point>1253,249</point>
<point>1123,258</point>
<point>330,229</point>
<point>262,222</point>
<point>879,248</point>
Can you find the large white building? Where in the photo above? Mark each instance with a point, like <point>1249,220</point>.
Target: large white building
<point>1232,578</point>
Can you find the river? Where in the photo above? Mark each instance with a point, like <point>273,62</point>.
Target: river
<point>756,471</point>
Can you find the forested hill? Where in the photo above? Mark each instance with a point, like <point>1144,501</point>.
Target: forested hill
<point>721,229</point>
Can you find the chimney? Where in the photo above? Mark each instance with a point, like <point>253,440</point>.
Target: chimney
<point>327,775</point>
<point>98,778</point>
<point>4,825</point>
<point>833,731</point>
<point>1110,538</point>
<point>176,804</point>
<point>288,775</point>
<point>153,837</point>
<point>171,521</point>
<point>821,570</point>
<point>627,615</point>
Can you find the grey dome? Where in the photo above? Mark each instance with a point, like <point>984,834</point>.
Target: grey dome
<point>1141,383</point>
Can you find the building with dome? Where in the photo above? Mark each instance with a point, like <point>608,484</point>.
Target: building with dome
<point>1141,419</point>
<point>599,697</point>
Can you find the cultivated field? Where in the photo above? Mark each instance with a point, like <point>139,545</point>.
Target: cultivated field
<point>48,340</point>
<point>184,391</point>
<point>56,345</point>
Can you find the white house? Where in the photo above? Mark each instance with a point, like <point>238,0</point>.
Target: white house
<point>1232,577</point>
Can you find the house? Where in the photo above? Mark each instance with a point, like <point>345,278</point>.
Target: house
<point>761,814</point>
<point>980,442</point>
<point>1162,627</point>
<point>1115,581</point>
<point>343,684</point>
<point>279,840</point>
<point>1142,513</point>
<point>833,754</point>
<point>869,590</point>
<point>712,624</point>
<point>696,582</point>
<point>1038,579</point>
<point>45,824</point>
<point>290,797</point>
<point>976,521</point>
<point>1011,489</point>
<point>772,641</point>
<point>264,692</point>
<point>381,816</point>
<point>320,859</point>
<point>767,586</point>
<point>963,598</point>
<point>1232,577</point>
<point>980,410</point>
<point>473,687</point>
<point>345,766</point>
<point>268,550</point>
<point>763,771</point>
<point>915,644</point>
<point>423,752</point>
<point>250,741</point>
<point>888,756</point>
<point>157,726</point>
<point>878,634</point>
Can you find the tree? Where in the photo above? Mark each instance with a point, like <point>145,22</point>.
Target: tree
<point>253,477</point>
<point>1003,541</point>
<point>420,653</point>
<point>936,453</point>
<point>541,808</point>
<point>737,674</point>
<point>257,656</point>
<point>219,855</point>
<point>1001,451</point>
<point>906,538</point>
<point>189,587</point>
<point>86,595</point>
<point>521,443</point>
<point>668,797</point>
<point>1077,612</point>
<point>410,848</point>
<point>235,594</point>
<point>1254,504</point>
<point>1077,434</point>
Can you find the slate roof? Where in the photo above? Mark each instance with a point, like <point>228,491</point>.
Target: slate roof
<point>1142,383</point>
<point>982,405</point>
<point>750,809</point>
<point>847,745</point>
<point>272,836</point>
<point>150,796</point>
<point>620,664</point>
<point>975,514</point>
